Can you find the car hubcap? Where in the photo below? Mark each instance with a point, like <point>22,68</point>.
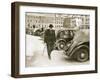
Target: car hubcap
<point>82,55</point>
<point>61,45</point>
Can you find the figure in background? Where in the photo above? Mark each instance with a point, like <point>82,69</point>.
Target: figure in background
<point>49,39</point>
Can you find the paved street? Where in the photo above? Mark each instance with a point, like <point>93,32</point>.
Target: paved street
<point>36,54</point>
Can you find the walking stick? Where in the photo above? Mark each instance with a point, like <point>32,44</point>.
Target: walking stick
<point>43,50</point>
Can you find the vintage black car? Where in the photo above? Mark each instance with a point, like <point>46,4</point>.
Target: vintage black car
<point>63,37</point>
<point>74,44</point>
<point>39,32</point>
<point>78,48</point>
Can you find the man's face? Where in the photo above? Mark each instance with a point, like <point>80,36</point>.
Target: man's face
<point>50,28</point>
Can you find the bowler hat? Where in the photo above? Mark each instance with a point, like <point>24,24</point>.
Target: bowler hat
<point>51,26</point>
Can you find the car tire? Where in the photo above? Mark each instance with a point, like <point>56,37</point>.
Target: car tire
<point>82,54</point>
<point>61,45</point>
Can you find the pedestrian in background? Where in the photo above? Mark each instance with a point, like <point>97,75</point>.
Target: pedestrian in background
<point>49,39</point>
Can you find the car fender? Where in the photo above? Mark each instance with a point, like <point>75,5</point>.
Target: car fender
<point>76,48</point>
<point>60,40</point>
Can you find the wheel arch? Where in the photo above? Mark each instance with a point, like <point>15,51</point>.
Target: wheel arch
<point>61,40</point>
<point>78,47</point>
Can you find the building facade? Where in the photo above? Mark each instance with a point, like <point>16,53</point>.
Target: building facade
<point>42,20</point>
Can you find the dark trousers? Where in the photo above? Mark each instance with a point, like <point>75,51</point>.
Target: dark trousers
<point>50,46</point>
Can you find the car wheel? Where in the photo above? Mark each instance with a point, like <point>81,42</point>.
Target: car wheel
<point>61,45</point>
<point>82,55</point>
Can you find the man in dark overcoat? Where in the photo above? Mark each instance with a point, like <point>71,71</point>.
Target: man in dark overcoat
<point>49,39</point>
